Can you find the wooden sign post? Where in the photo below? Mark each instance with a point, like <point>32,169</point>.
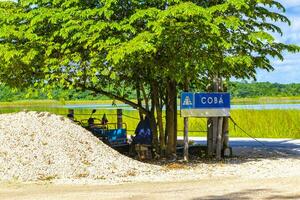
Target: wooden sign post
<point>119,119</point>
<point>214,106</point>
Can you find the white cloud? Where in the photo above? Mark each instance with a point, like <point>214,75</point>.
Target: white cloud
<point>295,23</point>
<point>290,3</point>
<point>287,71</point>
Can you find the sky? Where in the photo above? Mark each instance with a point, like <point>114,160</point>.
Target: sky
<point>287,71</point>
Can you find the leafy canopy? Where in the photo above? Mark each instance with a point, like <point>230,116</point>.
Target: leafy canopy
<point>95,44</point>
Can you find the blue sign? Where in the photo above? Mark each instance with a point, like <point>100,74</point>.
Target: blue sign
<point>212,100</point>
<point>187,100</point>
<point>205,104</point>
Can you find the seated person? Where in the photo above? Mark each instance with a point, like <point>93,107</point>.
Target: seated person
<point>143,133</point>
<point>71,116</point>
<point>91,122</point>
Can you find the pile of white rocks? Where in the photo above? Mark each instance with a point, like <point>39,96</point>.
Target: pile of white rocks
<point>42,146</point>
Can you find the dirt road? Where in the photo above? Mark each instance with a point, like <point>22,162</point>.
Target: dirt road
<point>233,188</point>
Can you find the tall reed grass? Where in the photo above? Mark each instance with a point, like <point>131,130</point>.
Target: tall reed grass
<point>267,123</point>
<point>258,123</point>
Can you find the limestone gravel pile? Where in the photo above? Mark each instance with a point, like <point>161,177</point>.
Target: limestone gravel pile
<point>42,146</point>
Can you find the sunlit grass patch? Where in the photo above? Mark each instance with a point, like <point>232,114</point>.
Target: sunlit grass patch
<point>258,123</point>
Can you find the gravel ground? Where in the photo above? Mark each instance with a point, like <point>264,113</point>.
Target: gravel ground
<point>45,147</point>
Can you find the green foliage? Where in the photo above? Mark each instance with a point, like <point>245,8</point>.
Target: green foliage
<point>236,89</point>
<point>93,44</point>
<point>8,94</point>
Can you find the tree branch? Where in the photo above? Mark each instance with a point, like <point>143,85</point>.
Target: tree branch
<point>126,101</point>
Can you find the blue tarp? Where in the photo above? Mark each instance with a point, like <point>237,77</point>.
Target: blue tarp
<point>143,133</point>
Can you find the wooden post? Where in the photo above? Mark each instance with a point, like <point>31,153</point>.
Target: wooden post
<point>219,138</point>
<point>186,139</point>
<point>225,139</point>
<point>214,134</point>
<point>225,132</point>
<point>186,128</point>
<point>209,137</point>
<point>119,119</point>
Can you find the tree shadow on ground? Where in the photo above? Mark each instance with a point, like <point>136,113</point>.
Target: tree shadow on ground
<point>250,194</point>
<point>240,155</point>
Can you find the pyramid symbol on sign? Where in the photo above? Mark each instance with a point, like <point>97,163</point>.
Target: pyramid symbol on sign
<point>187,101</point>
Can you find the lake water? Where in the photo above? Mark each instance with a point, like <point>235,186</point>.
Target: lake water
<point>251,107</point>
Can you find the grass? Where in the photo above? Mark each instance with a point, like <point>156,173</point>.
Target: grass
<point>258,123</point>
<point>267,123</point>
<point>252,100</point>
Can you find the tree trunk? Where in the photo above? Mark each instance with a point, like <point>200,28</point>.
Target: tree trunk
<point>225,132</point>
<point>145,97</point>
<point>139,99</point>
<point>162,144</point>
<point>152,119</point>
<point>161,131</point>
<point>175,116</point>
<point>167,117</point>
<point>215,124</point>
<point>170,118</point>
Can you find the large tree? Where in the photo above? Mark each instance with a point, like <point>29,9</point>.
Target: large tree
<point>189,44</point>
<point>151,48</point>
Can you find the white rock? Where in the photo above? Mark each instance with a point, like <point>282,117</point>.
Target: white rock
<point>42,146</point>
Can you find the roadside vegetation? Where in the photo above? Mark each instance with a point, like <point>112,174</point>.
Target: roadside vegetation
<point>264,89</point>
